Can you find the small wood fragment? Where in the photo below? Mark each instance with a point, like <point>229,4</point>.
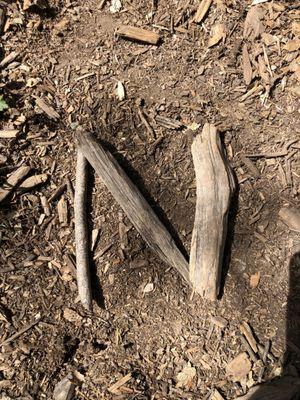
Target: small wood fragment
<point>45,205</point>
<point>9,58</point>
<point>81,233</point>
<point>133,203</point>
<point>202,10</point>
<point>214,189</point>
<point>239,367</point>
<point>291,217</point>
<point>218,33</point>
<point>250,166</point>
<point>249,349</point>
<point>168,123</point>
<point>138,34</point>
<point>13,180</point>
<point>32,182</point>
<point>8,133</point>
<point>64,389</point>
<point>114,389</point>
<point>219,321</point>
<point>144,120</point>
<point>46,108</point>
<point>247,332</point>
<point>62,209</point>
<point>247,68</point>
<point>216,395</point>
<point>57,192</point>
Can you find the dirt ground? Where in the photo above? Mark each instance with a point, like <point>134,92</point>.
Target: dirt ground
<point>146,322</point>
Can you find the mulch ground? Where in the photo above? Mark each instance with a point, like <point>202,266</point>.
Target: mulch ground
<point>239,68</point>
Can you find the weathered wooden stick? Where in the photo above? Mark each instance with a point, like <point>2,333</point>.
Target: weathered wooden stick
<point>214,189</point>
<point>138,34</point>
<point>133,203</point>
<point>81,233</point>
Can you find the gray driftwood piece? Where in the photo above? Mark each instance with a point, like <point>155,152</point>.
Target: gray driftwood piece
<point>214,182</point>
<point>133,203</point>
<point>81,233</point>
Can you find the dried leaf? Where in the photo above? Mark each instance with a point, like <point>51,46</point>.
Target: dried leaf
<point>247,69</point>
<point>202,10</point>
<point>254,280</point>
<point>120,91</point>
<point>218,33</point>
<point>253,26</point>
<point>185,377</point>
<point>239,367</point>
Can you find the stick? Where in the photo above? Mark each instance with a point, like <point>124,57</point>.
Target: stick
<point>214,188</point>
<point>81,233</point>
<point>13,180</point>
<point>19,333</point>
<point>139,34</point>
<point>133,203</point>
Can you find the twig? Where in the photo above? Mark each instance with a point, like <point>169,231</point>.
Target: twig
<point>81,233</point>
<point>19,333</point>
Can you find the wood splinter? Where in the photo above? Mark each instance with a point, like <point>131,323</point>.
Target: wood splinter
<point>81,233</point>
<point>138,34</point>
<point>133,203</point>
<point>215,185</point>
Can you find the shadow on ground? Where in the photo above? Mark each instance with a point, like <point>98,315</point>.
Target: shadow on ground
<point>287,387</point>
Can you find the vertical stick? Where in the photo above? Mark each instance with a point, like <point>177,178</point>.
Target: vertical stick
<point>81,233</point>
<point>214,187</point>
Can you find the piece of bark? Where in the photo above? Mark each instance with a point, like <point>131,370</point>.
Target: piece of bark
<point>138,34</point>
<point>247,332</point>
<point>250,166</point>
<point>2,17</point>
<point>8,133</point>
<point>46,206</point>
<point>284,388</point>
<point>64,389</point>
<point>13,180</point>
<point>114,389</point>
<point>291,217</point>
<point>32,182</point>
<point>81,232</point>
<point>215,185</point>
<point>239,367</point>
<point>9,58</point>
<point>133,203</point>
<point>62,210</point>
<point>202,10</point>
<point>247,68</point>
<point>46,108</point>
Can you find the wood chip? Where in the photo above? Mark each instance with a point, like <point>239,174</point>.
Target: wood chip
<point>64,389</point>
<point>216,395</point>
<point>13,180</point>
<point>114,388</point>
<point>292,45</point>
<point>9,58</point>
<point>202,10</point>
<point>33,181</point>
<point>247,69</point>
<point>254,280</point>
<point>72,316</point>
<point>139,34</point>
<point>247,332</point>
<point>46,108</point>
<point>291,217</point>
<point>219,321</point>
<point>62,209</point>
<point>253,26</point>
<point>120,91</point>
<point>8,133</point>
<point>239,367</point>
<point>218,33</point>
<point>186,376</point>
